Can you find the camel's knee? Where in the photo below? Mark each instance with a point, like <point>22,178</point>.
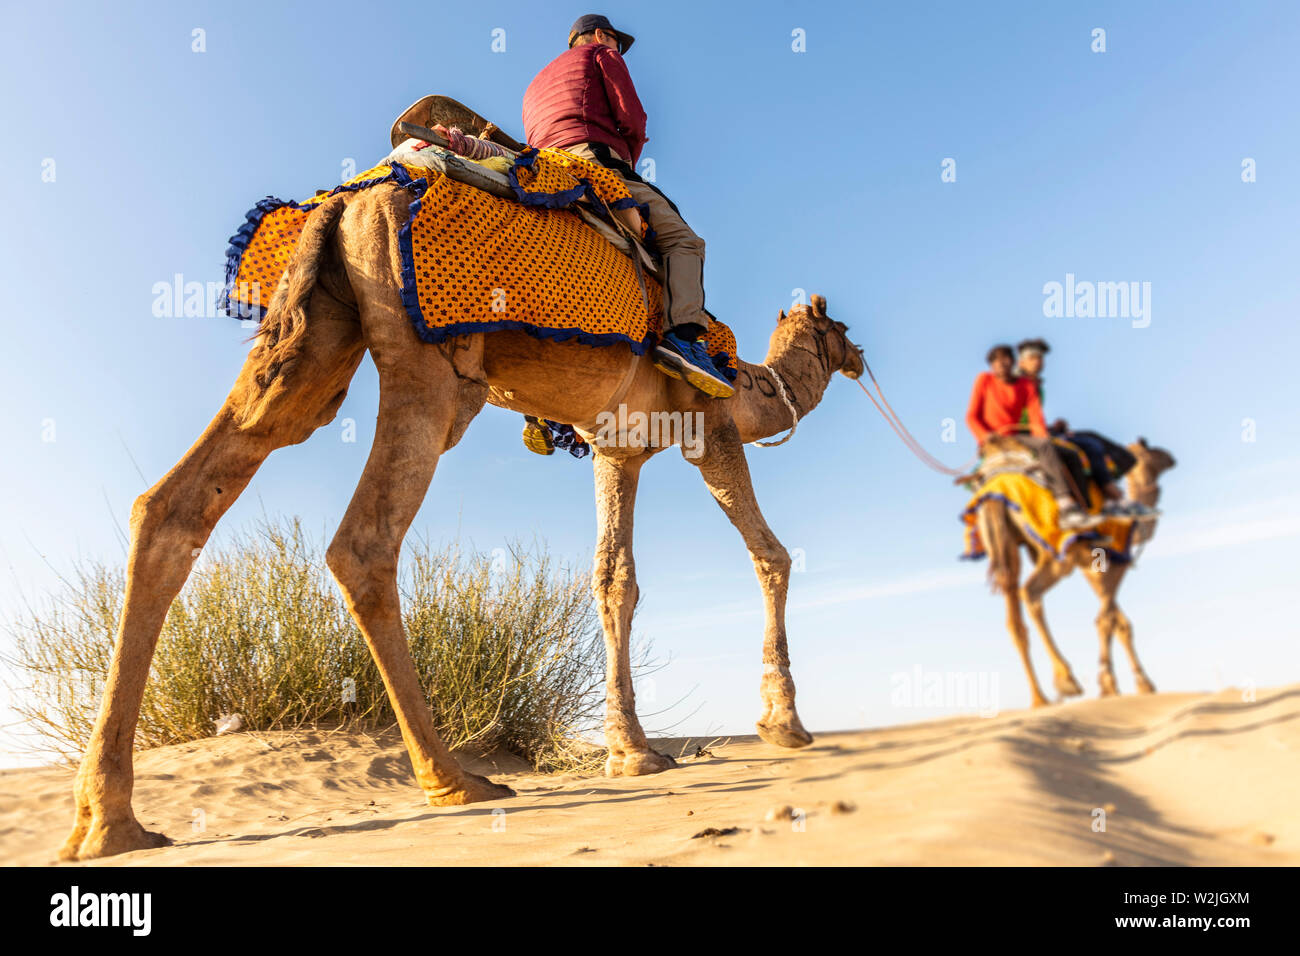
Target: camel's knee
<point>771,558</point>
<point>613,581</point>
<point>365,569</point>
<point>161,529</point>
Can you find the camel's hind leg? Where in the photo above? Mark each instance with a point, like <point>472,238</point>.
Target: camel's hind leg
<point>1020,636</point>
<point>1004,568</point>
<point>1044,576</point>
<point>614,584</point>
<point>169,525</point>
<point>726,472</point>
<point>423,408</point>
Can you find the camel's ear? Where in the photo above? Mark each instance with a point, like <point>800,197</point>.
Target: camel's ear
<point>819,305</point>
<point>1143,443</point>
<point>780,317</point>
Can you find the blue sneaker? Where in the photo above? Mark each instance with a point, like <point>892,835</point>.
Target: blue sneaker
<point>690,362</point>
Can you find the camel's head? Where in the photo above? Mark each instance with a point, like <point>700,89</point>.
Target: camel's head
<point>1151,462</point>
<point>833,345</point>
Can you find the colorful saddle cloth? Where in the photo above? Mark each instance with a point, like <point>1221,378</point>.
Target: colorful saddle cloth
<point>473,262</point>
<point>1034,511</point>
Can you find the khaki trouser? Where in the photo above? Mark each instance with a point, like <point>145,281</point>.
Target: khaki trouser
<point>681,248</point>
<point>1058,483</point>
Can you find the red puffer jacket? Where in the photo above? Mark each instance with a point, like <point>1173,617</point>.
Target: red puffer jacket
<point>585,95</point>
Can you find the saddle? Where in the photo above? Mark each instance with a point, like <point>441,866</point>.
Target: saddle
<point>431,111</point>
<point>437,110</point>
<point>1002,455</point>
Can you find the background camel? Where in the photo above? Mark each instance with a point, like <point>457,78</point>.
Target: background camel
<point>341,297</point>
<point>1003,540</point>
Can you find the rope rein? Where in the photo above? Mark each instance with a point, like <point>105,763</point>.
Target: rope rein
<point>886,412</point>
<point>794,412</point>
<point>906,437</point>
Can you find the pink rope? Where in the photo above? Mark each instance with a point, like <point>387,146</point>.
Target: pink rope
<point>471,147</point>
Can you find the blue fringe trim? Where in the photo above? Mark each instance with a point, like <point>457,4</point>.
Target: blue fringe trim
<point>253,219</point>
<point>1025,527</point>
<point>235,254</point>
<point>410,298</point>
<point>434,336</point>
<point>567,197</point>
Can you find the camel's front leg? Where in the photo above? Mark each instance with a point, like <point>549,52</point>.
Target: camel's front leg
<point>726,472</point>
<point>614,584</point>
<point>1117,622</point>
<point>1105,666</point>
<point>1110,619</point>
<point>1124,628</point>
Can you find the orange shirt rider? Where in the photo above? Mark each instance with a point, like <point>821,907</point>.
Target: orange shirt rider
<point>1000,399</point>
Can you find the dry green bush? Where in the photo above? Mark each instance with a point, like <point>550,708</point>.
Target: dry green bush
<point>507,646</point>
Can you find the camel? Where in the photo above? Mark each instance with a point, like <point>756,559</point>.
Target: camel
<point>1003,539</point>
<point>341,297</point>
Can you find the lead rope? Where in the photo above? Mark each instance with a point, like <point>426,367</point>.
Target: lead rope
<point>905,436</point>
<point>794,412</point>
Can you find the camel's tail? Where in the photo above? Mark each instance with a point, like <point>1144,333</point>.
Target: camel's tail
<point>280,335</point>
<point>1000,544</point>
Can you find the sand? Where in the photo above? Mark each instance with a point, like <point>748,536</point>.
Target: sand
<point>1181,779</point>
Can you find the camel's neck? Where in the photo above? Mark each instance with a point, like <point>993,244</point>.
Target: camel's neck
<point>800,357</point>
<point>1143,487</point>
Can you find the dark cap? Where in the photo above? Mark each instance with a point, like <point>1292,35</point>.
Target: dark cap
<point>596,21</point>
<point>1033,345</point>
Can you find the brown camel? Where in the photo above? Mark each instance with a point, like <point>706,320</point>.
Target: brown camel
<point>341,297</point>
<point>1003,539</point>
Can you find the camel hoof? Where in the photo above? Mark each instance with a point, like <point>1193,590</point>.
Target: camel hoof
<point>1040,701</point>
<point>1067,686</point>
<point>1108,686</point>
<point>637,763</point>
<point>110,839</point>
<point>474,789</point>
<point>784,735</point>
<point>1144,685</point>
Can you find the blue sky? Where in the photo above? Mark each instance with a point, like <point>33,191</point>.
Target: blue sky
<point>816,171</point>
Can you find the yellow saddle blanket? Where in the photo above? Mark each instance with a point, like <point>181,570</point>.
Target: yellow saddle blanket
<point>473,262</point>
<point>1034,510</point>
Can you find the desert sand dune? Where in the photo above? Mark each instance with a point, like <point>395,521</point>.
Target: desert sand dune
<point>1182,779</point>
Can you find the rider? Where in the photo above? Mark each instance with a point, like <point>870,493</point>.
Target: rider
<point>584,101</point>
<point>1098,448</point>
<point>998,403</point>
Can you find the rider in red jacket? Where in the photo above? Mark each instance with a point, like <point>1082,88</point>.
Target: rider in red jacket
<point>585,95</point>
<point>584,101</point>
<point>998,402</point>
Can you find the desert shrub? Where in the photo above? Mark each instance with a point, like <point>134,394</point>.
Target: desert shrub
<point>507,646</point>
